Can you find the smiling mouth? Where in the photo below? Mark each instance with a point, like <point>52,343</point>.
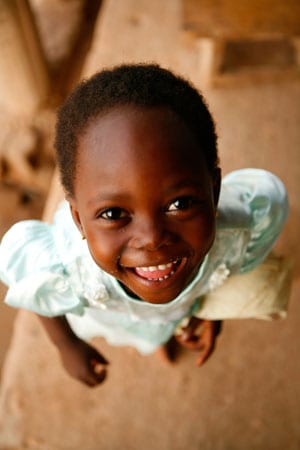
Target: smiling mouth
<point>159,273</point>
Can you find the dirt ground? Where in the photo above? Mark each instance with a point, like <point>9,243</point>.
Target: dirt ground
<point>16,203</point>
<point>247,396</point>
<point>13,209</point>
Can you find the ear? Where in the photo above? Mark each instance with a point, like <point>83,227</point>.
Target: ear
<point>75,214</point>
<point>216,185</point>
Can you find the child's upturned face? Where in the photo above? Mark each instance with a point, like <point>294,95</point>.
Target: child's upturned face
<point>144,200</point>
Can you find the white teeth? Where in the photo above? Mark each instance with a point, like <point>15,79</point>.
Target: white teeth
<point>159,267</point>
<point>165,266</point>
<point>155,268</point>
<point>162,278</point>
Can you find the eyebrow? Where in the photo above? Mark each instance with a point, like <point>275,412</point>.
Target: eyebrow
<point>185,183</point>
<point>111,196</point>
<point>108,196</point>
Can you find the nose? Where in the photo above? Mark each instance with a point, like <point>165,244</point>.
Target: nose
<point>149,234</point>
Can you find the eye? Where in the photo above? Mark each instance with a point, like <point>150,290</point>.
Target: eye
<point>113,214</point>
<point>182,203</point>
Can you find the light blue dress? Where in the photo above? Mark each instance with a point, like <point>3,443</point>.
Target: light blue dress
<point>49,270</point>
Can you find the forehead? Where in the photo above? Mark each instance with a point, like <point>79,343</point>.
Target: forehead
<point>151,142</point>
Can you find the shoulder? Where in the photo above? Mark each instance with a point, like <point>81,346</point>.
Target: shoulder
<point>33,246</point>
<point>252,210</point>
<point>26,245</point>
<point>32,264</point>
<point>248,195</point>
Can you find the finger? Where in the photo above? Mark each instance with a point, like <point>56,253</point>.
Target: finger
<point>89,380</point>
<point>205,352</point>
<point>189,330</point>
<point>101,375</point>
<point>95,371</point>
<point>193,344</point>
<point>207,342</point>
<point>204,355</point>
<point>97,358</point>
<point>98,361</point>
<point>92,379</point>
<point>98,368</point>
<point>99,371</point>
<point>89,383</point>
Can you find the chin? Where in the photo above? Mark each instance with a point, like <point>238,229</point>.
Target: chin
<point>161,297</point>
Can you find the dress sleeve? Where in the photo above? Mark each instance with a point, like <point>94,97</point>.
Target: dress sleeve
<point>31,267</point>
<point>263,199</point>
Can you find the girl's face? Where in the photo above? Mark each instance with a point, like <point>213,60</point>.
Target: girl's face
<point>144,200</point>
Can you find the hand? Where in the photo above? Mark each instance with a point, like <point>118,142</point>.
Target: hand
<point>83,362</point>
<point>200,335</point>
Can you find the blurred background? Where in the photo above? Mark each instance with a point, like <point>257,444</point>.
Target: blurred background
<point>244,57</point>
<point>43,47</point>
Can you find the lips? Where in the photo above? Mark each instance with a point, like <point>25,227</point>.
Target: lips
<point>157,284</point>
<point>158,273</point>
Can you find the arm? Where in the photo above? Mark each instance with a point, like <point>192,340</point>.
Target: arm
<point>200,335</point>
<point>81,360</point>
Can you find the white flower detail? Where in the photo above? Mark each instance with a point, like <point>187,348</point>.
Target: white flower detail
<point>219,276</point>
<point>96,296</point>
<point>87,282</point>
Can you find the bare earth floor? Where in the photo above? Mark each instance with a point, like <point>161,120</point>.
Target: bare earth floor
<point>12,210</point>
<point>247,395</point>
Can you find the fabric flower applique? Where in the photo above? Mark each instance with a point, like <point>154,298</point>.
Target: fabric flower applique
<point>96,295</point>
<point>88,283</point>
<point>218,277</point>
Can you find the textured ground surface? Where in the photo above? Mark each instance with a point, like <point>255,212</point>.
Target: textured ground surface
<point>247,396</point>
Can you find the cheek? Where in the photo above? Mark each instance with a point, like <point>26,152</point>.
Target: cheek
<point>202,234</point>
<point>105,250</point>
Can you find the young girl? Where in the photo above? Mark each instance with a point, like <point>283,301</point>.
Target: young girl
<point>140,238</point>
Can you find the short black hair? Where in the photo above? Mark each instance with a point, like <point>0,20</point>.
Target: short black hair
<point>141,85</point>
